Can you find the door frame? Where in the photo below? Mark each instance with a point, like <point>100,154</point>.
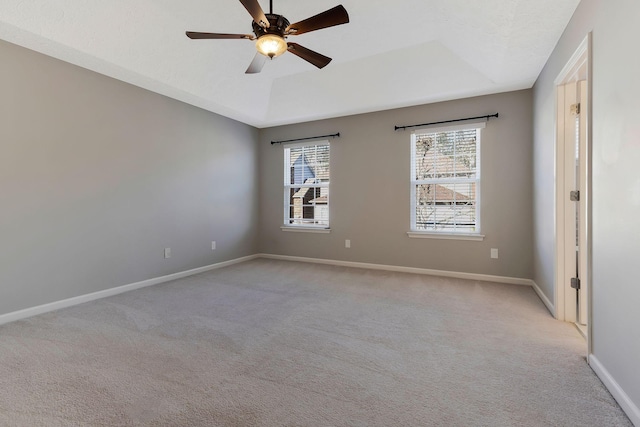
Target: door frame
<point>565,305</point>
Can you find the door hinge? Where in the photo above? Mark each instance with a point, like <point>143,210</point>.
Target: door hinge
<point>575,108</point>
<point>575,283</point>
<point>574,196</point>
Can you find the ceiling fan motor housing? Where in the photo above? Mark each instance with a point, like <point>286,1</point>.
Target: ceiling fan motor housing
<point>278,25</point>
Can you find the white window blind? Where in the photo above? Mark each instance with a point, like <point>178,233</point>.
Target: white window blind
<point>445,182</point>
<point>306,185</point>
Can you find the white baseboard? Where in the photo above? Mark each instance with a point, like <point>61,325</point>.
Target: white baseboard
<point>625,402</point>
<point>45,308</point>
<point>400,269</point>
<point>544,298</point>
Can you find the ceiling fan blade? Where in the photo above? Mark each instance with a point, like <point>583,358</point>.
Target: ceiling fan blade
<point>336,16</point>
<point>257,64</point>
<point>196,35</point>
<point>256,12</point>
<point>308,55</point>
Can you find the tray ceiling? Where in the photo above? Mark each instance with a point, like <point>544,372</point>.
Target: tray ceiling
<point>391,54</point>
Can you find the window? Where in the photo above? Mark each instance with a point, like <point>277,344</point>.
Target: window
<point>445,181</point>
<point>306,185</point>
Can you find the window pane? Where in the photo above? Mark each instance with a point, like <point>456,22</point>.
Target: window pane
<point>322,164</point>
<point>425,156</point>
<point>446,207</point>
<point>445,155</point>
<point>465,154</point>
<point>301,171</point>
<point>309,206</point>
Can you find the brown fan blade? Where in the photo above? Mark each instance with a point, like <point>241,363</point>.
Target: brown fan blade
<point>256,12</point>
<point>257,64</point>
<point>195,35</point>
<point>336,16</point>
<point>308,55</point>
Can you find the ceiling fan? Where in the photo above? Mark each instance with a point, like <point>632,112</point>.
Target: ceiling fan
<point>271,30</point>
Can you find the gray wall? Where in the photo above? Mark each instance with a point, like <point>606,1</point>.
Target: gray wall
<point>370,190</point>
<point>615,181</point>
<point>97,177</point>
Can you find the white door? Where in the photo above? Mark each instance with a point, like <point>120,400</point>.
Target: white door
<point>576,155</point>
<point>581,181</point>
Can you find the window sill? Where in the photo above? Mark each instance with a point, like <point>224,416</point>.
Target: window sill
<point>306,229</point>
<point>445,236</point>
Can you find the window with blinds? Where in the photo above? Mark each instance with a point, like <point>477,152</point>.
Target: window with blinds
<point>306,185</point>
<point>445,181</point>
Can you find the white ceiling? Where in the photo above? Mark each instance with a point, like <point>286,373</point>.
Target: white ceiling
<point>392,53</point>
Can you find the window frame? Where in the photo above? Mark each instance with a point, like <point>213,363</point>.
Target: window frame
<point>287,186</point>
<point>447,234</point>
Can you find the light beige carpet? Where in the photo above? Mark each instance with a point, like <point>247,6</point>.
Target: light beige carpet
<point>272,343</point>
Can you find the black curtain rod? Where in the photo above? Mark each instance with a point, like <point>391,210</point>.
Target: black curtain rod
<point>448,121</point>
<point>335,135</point>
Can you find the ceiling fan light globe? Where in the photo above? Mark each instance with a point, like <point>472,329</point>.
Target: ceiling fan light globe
<point>271,45</point>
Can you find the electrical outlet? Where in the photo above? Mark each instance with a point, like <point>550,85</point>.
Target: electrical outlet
<point>213,245</point>
<point>167,253</point>
<point>347,243</point>
<point>494,253</point>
